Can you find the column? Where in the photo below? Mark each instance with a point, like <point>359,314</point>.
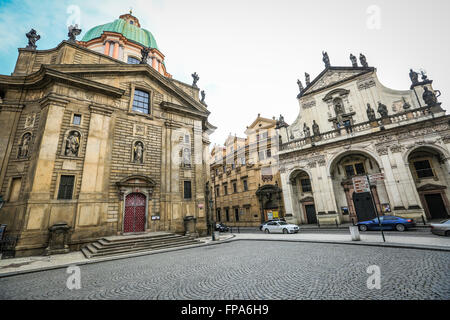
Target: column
<point>116,50</point>
<point>107,48</point>
<point>390,182</point>
<point>406,181</point>
<point>154,63</point>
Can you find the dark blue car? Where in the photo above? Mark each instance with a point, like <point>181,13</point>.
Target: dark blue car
<point>387,223</point>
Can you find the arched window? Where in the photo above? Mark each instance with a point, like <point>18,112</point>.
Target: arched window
<point>133,60</point>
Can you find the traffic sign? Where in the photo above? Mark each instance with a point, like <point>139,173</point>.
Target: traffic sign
<point>376,177</point>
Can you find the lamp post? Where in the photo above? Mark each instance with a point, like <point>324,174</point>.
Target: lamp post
<point>211,203</point>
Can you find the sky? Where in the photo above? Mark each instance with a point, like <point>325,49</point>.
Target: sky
<point>250,53</point>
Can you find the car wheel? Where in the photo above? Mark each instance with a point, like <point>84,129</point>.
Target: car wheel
<point>285,231</point>
<point>267,231</point>
<point>400,227</point>
<point>363,227</point>
<point>447,233</point>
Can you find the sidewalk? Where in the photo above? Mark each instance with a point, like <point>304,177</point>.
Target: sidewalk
<point>9,267</point>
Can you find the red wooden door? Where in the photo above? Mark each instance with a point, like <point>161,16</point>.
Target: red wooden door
<point>134,220</point>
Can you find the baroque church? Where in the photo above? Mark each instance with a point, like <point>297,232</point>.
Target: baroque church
<point>351,127</point>
<point>97,135</point>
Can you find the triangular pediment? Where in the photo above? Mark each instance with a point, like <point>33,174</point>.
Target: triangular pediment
<point>332,76</point>
<point>431,187</point>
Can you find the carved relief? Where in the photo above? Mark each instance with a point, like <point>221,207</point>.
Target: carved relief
<point>309,104</point>
<point>29,121</point>
<point>366,84</point>
<point>396,148</point>
<point>382,151</point>
<point>139,130</point>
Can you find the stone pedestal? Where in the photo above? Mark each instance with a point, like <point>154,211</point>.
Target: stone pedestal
<point>374,124</point>
<point>436,108</point>
<point>58,239</point>
<point>386,121</point>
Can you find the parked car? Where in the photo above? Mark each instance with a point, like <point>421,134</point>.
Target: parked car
<point>280,227</point>
<point>387,223</point>
<point>278,219</point>
<point>222,227</point>
<point>442,228</point>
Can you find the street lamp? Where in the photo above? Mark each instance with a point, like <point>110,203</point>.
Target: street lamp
<point>211,203</point>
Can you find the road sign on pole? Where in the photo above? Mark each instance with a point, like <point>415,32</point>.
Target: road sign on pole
<point>361,184</point>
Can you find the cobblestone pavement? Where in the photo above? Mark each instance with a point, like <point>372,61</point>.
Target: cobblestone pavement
<point>249,270</point>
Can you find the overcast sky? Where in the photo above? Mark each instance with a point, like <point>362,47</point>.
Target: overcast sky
<point>250,53</point>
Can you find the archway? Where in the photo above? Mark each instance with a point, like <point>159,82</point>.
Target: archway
<point>354,206</point>
<point>428,169</point>
<point>269,197</point>
<point>303,196</point>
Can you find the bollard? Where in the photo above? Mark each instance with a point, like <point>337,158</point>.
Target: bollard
<point>239,230</point>
<point>354,231</point>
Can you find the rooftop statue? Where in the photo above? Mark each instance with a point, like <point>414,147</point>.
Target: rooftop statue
<point>203,96</point>
<point>195,77</point>
<point>429,97</point>
<point>306,130</point>
<point>326,59</point>
<point>144,55</point>
<point>424,76</point>
<point>370,113</point>
<point>32,38</point>
<point>414,76</point>
<point>354,61</point>
<point>300,85</point>
<point>316,129</point>
<point>382,110</point>
<point>73,33</point>
<point>363,60</point>
<point>307,79</point>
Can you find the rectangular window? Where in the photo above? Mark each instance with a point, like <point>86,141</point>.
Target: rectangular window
<point>187,190</point>
<point>219,218</point>
<point>227,214</point>
<point>66,184</point>
<point>423,169</point>
<point>217,192</point>
<point>76,119</point>
<point>141,101</point>
<point>236,214</point>
<point>225,190</point>
<point>261,155</point>
<point>234,187</point>
<point>306,185</point>
<point>349,171</point>
<point>186,138</point>
<point>245,185</point>
<point>359,167</point>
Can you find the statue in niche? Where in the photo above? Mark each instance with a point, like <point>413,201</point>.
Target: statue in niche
<point>306,131</point>
<point>326,59</point>
<point>138,152</point>
<point>363,60</point>
<point>338,106</point>
<point>307,79</point>
<point>354,61</point>
<point>429,97</point>
<point>382,110</point>
<point>144,55</point>
<point>72,144</point>
<point>414,76</point>
<point>25,145</point>
<point>371,113</point>
<point>316,129</point>
<point>187,157</point>
<point>300,85</point>
<point>33,37</point>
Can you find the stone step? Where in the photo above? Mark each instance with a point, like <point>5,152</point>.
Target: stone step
<point>91,254</point>
<point>98,248</point>
<point>135,243</point>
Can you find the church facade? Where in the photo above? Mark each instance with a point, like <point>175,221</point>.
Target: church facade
<point>98,136</point>
<point>351,126</point>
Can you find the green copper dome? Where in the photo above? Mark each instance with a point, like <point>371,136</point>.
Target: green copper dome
<point>129,31</point>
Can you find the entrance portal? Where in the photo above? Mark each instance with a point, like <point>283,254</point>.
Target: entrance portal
<point>436,206</point>
<point>134,219</point>
<point>311,214</point>
<point>364,206</point>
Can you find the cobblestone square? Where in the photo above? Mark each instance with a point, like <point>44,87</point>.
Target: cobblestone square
<point>249,270</point>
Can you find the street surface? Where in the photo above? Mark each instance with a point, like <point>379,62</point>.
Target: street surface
<point>249,270</point>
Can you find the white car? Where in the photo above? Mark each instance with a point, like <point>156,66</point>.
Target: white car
<point>280,227</point>
<point>442,228</point>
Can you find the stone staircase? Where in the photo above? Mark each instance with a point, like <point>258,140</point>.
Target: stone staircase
<point>136,243</point>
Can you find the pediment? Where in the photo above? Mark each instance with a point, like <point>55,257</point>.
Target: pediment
<point>332,76</point>
<point>431,187</point>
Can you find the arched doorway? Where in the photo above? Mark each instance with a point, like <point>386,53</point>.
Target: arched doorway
<point>269,197</point>
<point>353,206</point>
<point>428,169</point>
<point>135,217</point>
<point>303,196</point>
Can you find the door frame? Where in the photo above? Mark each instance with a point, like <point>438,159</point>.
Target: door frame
<point>425,203</point>
<point>123,212</point>
<point>305,215</point>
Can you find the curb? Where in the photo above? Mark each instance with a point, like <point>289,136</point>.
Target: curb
<point>231,239</point>
<point>112,258</point>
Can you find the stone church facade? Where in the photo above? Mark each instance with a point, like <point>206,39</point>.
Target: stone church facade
<point>99,143</point>
<point>350,125</point>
